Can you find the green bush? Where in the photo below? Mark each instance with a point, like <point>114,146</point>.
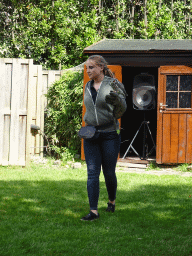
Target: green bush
<point>64,114</point>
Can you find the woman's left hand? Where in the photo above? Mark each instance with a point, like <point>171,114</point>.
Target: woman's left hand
<point>112,98</point>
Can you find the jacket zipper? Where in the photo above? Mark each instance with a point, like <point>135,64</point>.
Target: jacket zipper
<point>94,104</point>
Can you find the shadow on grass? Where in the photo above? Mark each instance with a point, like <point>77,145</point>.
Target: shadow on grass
<point>151,214</point>
<point>69,200</point>
<point>43,197</point>
<point>69,197</point>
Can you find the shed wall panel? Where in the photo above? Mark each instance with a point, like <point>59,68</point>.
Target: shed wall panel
<point>166,145</point>
<point>174,138</point>
<point>182,138</point>
<point>189,139</point>
<point>177,138</point>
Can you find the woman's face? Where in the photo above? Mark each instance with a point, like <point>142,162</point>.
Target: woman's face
<point>93,70</point>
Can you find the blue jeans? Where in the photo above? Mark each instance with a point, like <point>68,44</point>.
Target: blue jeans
<point>102,152</point>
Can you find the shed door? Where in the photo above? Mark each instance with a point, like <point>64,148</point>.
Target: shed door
<point>174,115</point>
<point>117,70</point>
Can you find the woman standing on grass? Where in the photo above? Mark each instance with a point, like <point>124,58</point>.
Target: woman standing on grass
<point>104,106</point>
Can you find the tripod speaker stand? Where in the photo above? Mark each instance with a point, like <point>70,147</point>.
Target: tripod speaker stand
<point>145,152</point>
<point>144,94</point>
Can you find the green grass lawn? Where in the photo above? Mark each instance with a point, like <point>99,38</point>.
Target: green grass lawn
<point>41,207</point>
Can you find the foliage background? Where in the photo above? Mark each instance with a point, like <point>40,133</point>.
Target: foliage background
<point>64,115</point>
<point>55,32</point>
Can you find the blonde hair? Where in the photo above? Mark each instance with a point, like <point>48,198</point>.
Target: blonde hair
<point>100,61</point>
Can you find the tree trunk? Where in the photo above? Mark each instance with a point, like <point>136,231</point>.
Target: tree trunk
<point>145,13</point>
<point>190,17</point>
<point>117,16</point>
<point>160,4</point>
<point>132,21</point>
<point>13,26</point>
<point>100,3</point>
<point>185,12</point>
<point>52,31</point>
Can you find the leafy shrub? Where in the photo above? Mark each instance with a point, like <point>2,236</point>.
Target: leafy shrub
<point>64,114</point>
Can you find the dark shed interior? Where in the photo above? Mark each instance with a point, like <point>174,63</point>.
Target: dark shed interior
<point>136,57</point>
<point>132,119</point>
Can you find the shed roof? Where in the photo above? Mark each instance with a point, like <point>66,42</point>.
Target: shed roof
<point>139,45</point>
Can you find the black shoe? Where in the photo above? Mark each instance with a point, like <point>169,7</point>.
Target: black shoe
<point>91,216</point>
<point>110,208</point>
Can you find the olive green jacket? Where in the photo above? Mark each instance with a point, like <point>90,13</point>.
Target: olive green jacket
<point>102,113</point>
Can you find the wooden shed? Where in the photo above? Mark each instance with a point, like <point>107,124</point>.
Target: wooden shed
<point>169,62</point>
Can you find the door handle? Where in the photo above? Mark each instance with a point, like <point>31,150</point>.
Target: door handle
<point>162,107</point>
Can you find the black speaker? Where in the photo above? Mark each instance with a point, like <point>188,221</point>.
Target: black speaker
<point>144,92</point>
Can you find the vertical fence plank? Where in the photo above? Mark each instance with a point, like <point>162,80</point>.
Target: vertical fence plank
<point>33,96</point>
<point>57,76</point>
<point>15,100</point>
<point>22,139</point>
<point>7,110</point>
<point>38,108</point>
<point>32,140</point>
<point>23,113</point>
<point>33,108</point>
<point>8,86</point>
<point>29,111</point>
<point>42,114</point>
<point>51,78</point>
<point>6,140</point>
<point>2,98</point>
<point>48,77</point>
<point>45,86</point>
<point>43,102</point>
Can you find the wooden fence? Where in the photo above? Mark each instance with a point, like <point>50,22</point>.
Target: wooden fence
<point>22,103</point>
